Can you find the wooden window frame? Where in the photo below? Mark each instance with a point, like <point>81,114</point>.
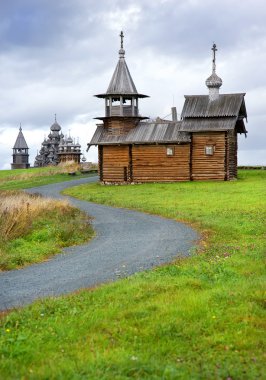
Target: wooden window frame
<point>209,150</point>
<point>170,151</point>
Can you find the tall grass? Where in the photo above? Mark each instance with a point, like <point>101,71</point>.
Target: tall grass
<point>18,210</point>
<point>33,227</point>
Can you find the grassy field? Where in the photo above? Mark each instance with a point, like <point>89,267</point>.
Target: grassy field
<point>198,318</point>
<point>26,178</point>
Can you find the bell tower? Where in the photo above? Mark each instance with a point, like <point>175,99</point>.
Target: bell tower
<point>121,98</point>
<point>20,152</point>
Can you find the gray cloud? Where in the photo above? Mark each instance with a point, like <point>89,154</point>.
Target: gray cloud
<point>55,55</point>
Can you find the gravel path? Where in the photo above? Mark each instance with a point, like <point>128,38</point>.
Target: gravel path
<point>126,242</point>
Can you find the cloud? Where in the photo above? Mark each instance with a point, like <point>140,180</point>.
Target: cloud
<point>56,55</point>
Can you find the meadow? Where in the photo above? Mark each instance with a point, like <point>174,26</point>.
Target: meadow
<point>25,178</point>
<point>202,317</point>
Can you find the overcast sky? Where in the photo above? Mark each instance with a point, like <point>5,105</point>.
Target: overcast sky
<point>55,55</point>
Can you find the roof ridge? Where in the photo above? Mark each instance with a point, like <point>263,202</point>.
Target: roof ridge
<point>197,96</point>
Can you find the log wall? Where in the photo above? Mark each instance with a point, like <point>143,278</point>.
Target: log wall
<point>115,163</point>
<point>68,156</point>
<point>232,154</point>
<point>206,167</point>
<point>120,125</point>
<point>150,163</point>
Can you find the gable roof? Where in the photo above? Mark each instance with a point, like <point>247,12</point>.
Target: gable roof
<point>225,105</point>
<point>143,133</point>
<point>20,141</point>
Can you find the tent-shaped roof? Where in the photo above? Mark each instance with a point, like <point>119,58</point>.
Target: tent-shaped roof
<point>121,82</point>
<point>20,141</point>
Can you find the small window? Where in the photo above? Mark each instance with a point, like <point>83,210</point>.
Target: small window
<point>209,150</point>
<point>170,151</point>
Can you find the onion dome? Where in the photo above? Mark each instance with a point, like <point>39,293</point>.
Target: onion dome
<point>78,144</point>
<point>69,140</point>
<point>214,81</point>
<point>55,127</point>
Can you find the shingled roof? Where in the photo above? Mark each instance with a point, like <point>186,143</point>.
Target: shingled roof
<point>20,141</point>
<point>143,133</point>
<point>210,124</point>
<point>121,82</point>
<point>226,105</point>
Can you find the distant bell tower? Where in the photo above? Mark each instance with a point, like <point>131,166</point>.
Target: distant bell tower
<point>20,152</point>
<point>121,98</point>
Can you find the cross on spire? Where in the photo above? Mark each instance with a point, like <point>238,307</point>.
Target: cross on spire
<point>122,37</point>
<point>55,117</point>
<point>214,49</point>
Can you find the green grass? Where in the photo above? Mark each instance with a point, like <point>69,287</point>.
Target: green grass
<point>26,178</point>
<point>39,232</point>
<point>46,235</point>
<point>199,318</point>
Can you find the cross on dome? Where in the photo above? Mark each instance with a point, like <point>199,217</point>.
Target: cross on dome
<point>214,49</point>
<point>122,37</point>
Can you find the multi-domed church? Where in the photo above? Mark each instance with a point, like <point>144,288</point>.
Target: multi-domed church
<point>57,148</point>
<point>201,146</point>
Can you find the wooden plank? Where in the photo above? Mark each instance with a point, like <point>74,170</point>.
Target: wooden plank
<point>151,163</point>
<point>115,163</point>
<point>204,166</point>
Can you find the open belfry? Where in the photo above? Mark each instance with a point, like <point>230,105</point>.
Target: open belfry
<point>20,152</point>
<point>201,146</point>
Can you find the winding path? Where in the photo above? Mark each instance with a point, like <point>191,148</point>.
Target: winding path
<point>126,242</point>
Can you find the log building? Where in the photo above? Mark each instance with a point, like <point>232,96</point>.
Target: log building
<point>201,146</point>
<point>20,152</point>
<point>56,149</point>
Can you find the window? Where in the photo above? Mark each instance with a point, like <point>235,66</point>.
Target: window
<point>170,151</point>
<point>209,150</point>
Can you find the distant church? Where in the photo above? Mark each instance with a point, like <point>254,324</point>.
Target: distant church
<point>20,153</point>
<point>57,148</point>
<point>202,146</point>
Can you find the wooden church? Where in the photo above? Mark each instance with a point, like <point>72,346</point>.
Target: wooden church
<point>20,152</point>
<point>201,146</point>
